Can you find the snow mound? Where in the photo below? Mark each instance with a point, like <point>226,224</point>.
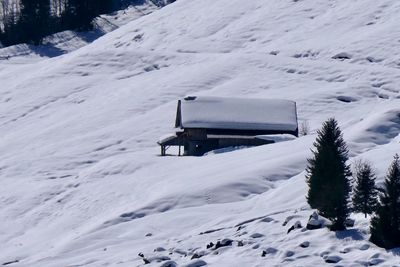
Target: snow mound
<point>378,128</point>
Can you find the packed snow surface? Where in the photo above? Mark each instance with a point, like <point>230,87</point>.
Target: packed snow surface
<point>81,182</point>
<point>238,113</point>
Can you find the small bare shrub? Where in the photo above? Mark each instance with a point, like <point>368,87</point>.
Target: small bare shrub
<point>304,128</point>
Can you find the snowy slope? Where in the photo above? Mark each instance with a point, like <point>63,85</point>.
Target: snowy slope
<point>81,180</point>
<point>67,41</point>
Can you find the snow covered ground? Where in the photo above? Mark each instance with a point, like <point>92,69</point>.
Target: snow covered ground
<point>81,182</point>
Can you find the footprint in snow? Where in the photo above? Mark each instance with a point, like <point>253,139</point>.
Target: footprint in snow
<point>375,261</point>
<point>159,249</point>
<point>289,253</point>
<point>378,84</point>
<point>180,252</point>
<point>169,264</point>
<point>332,259</point>
<point>291,71</point>
<point>345,250</point>
<point>289,218</point>
<point>269,250</point>
<point>267,220</point>
<point>346,99</point>
<point>342,56</point>
<point>196,263</point>
<point>305,244</point>
<point>373,60</point>
<point>256,235</point>
<point>383,96</point>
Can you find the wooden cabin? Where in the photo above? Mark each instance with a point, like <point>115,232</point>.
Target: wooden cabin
<point>208,123</point>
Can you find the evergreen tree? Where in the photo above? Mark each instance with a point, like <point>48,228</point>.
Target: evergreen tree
<point>12,32</point>
<point>79,14</point>
<point>34,19</point>
<point>365,193</point>
<point>385,225</point>
<point>328,175</point>
<point>104,6</point>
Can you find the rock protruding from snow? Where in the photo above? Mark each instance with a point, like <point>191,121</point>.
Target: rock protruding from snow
<point>145,260</point>
<point>226,242</point>
<point>296,225</point>
<point>223,243</point>
<point>315,222</point>
<point>349,222</point>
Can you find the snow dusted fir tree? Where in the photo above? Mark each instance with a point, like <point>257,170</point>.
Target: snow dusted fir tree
<point>365,193</point>
<point>328,175</point>
<point>385,225</point>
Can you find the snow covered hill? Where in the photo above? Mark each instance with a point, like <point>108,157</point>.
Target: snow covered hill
<point>81,182</point>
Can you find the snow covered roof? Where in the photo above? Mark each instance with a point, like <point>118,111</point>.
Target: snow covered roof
<point>237,114</point>
<point>166,138</point>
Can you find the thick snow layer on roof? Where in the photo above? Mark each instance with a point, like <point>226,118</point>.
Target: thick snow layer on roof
<point>239,113</point>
